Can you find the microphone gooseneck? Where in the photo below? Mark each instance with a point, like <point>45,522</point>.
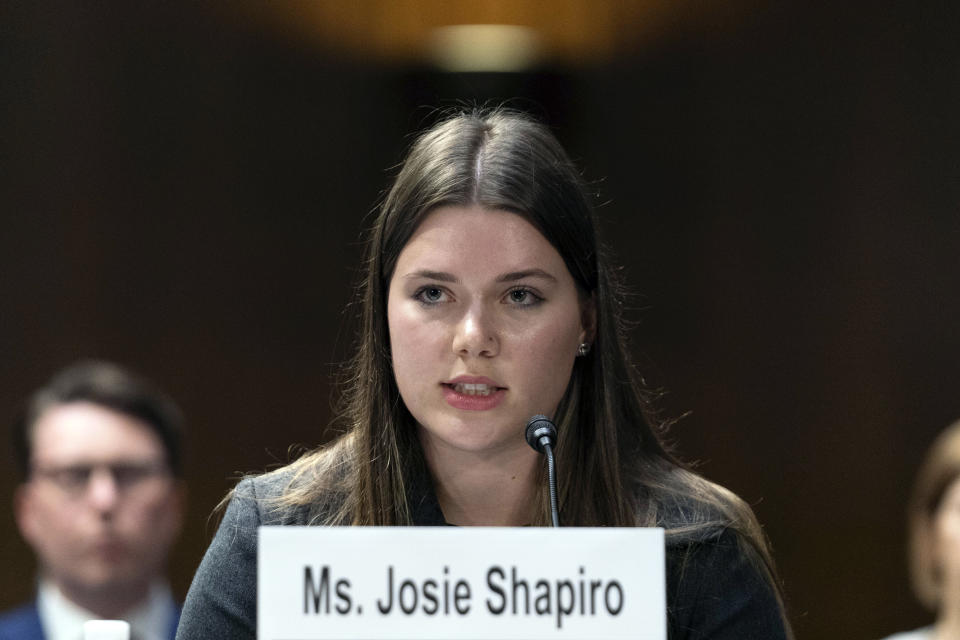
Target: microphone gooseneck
<point>541,434</point>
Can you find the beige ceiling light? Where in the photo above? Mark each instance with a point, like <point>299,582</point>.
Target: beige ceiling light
<point>484,47</point>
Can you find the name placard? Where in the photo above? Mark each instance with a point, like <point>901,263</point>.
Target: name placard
<point>478,583</point>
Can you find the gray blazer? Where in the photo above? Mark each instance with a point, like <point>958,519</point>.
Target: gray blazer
<point>713,590</point>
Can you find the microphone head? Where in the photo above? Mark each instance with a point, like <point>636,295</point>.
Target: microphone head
<point>540,431</point>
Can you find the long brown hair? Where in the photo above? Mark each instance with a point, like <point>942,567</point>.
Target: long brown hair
<point>614,469</point>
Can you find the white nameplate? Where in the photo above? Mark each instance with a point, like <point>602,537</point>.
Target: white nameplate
<point>476,583</point>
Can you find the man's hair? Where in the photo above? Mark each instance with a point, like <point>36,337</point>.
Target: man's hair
<point>110,386</point>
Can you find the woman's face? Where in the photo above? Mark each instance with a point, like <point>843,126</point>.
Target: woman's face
<point>947,534</point>
<point>485,321</point>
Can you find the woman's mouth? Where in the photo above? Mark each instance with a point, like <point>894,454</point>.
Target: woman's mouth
<point>473,396</point>
<point>473,389</point>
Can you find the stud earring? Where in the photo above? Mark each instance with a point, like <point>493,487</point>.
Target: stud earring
<point>583,349</point>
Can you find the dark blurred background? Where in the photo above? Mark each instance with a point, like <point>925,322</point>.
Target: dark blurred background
<point>184,188</point>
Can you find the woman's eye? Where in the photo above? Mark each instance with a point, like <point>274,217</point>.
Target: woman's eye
<point>523,297</point>
<point>430,295</point>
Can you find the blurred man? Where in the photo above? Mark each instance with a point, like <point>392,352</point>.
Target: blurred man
<point>100,504</point>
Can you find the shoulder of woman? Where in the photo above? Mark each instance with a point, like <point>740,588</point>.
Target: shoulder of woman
<point>269,485</point>
<point>310,490</point>
<point>689,507</point>
<point>716,584</point>
<point>709,539</point>
<point>267,494</point>
<point>718,570</point>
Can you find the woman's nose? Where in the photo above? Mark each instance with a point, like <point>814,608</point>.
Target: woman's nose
<point>476,334</point>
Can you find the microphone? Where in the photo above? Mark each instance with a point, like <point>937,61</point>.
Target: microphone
<point>541,434</point>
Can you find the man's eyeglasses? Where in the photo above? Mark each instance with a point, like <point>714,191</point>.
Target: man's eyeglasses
<point>127,476</point>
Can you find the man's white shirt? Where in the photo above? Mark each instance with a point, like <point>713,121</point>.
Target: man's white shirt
<point>63,620</point>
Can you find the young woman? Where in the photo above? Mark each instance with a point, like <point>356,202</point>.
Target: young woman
<point>488,298</point>
<point>934,523</point>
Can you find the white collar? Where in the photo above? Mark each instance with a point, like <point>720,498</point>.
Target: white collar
<point>63,620</point>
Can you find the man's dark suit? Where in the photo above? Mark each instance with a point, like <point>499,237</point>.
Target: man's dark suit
<point>23,623</point>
